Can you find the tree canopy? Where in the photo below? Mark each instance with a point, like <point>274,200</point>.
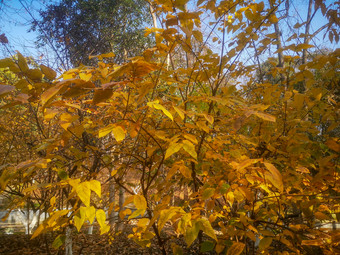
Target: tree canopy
<point>234,156</point>
<point>78,29</point>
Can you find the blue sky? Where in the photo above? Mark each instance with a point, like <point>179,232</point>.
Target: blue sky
<point>15,23</point>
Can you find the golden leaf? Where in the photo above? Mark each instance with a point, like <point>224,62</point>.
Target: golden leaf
<point>236,248</point>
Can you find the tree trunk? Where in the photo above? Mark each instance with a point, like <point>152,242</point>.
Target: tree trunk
<point>307,36</point>
<point>68,241</point>
<point>119,225</point>
<point>112,221</point>
<point>278,38</point>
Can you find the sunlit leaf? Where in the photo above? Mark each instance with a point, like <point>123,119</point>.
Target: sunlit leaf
<point>236,248</point>
<point>84,193</point>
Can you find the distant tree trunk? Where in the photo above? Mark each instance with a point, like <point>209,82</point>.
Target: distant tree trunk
<point>28,217</point>
<point>154,21</point>
<point>307,36</point>
<point>68,241</point>
<point>112,221</point>
<point>119,225</point>
<point>278,38</point>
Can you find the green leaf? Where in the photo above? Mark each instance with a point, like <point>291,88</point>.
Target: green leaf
<point>208,193</point>
<point>207,246</point>
<point>59,241</point>
<point>191,233</point>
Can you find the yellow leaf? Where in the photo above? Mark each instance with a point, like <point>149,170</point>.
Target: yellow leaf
<point>265,116</point>
<point>101,217</point>
<point>275,176</point>
<point>247,163</point>
<point>38,231</point>
<point>101,95</point>
<point>90,213</point>
<point>119,133</point>
<point>230,198</point>
<point>50,114</point>
<point>180,112</point>
<point>136,213</point>
<point>190,148</point>
<point>34,74</point>
<point>48,72</point>
<point>333,144</point>
<point>84,193</point>
<point>203,126</point>
<point>265,243</point>
<point>185,171</point>
<point>273,19</point>
<point>139,202</point>
<point>321,216</point>
<point>209,118</point>
<point>207,228</point>
<point>198,35</point>
<point>316,242</point>
<point>52,200</point>
<point>191,138</point>
<point>165,216</point>
<point>155,104</point>
<point>105,130</point>
<point>22,63</point>
<point>79,218</point>
<point>96,187</point>
<point>173,148</point>
<point>85,76</point>
<point>304,46</point>
<point>236,248</point>
<point>66,119</point>
<point>51,93</point>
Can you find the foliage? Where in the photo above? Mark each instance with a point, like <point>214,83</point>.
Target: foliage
<point>258,158</point>
<point>78,29</point>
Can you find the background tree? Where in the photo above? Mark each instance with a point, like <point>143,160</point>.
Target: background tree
<point>90,27</point>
